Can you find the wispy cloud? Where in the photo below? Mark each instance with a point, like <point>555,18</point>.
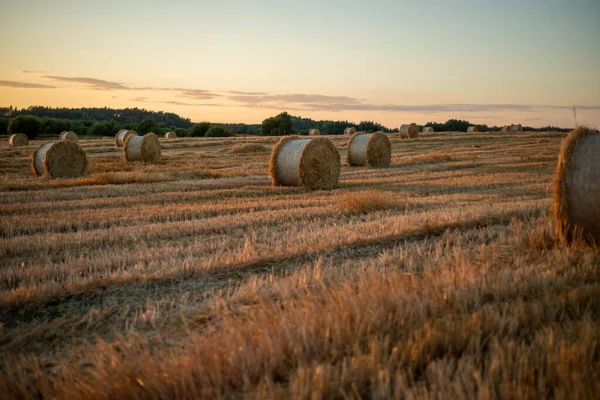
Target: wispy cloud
<point>25,71</point>
<point>139,99</point>
<point>92,83</point>
<point>25,85</point>
<point>437,108</point>
<point>237,92</point>
<point>295,98</point>
<point>198,94</point>
<point>181,103</point>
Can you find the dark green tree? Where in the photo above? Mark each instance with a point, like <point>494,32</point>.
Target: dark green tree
<point>102,129</point>
<point>182,132</point>
<point>27,124</point>
<point>3,126</point>
<point>281,124</point>
<point>146,126</point>
<point>54,126</point>
<point>199,130</point>
<point>219,131</point>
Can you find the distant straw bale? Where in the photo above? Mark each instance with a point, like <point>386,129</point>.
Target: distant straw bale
<point>18,140</point>
<point>505,129</point>
<point>577,187</point>
<point>516,128</point>
<point>122,136</point>
<point>312,163</point>
<point>428,129</point>
<point>314,132</point>
<point>248,149</point>
<point>142,148</point>
<point>62,159</point>
<point>472,129</point>
<point>170,135</point>
<point>373,149</point>
<point>350,131</point>
<point>68,135</point>
<point>409,131</point>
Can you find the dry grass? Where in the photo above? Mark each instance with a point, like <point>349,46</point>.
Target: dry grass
<point>194,278</point>
<point>248,149</point>
<point>368,201</point>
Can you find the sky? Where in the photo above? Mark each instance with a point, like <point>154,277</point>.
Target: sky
<point>394,62</point>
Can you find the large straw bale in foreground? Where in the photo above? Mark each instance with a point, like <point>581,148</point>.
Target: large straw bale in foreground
<point>312,163</point>
<point>18,140</point>
<point>62,159</point>
<point>577,187</point>
<point>314,132</point>
<point>472,129</point>
<point>350,131</point>
<point>170,135</point>
<point>409,131</point>
<point>122,136</point>
<point>142,148</point>
<point>68,135</point>
<point>373,149</point>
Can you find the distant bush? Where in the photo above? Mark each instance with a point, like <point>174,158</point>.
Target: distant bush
<point>3,126</point>
<point>27,124</point>
<point>199,130</point>
<point>54,126</point>
<point>102,129</point>
<point>219,131</point>
<point>182,132</point>
<point>146,126</point>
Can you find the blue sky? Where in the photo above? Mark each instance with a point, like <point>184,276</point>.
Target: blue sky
<point>494,62</point>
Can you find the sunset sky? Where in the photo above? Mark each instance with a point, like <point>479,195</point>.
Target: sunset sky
<point>487,61</point>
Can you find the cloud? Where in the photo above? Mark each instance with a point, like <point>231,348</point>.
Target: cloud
<point>437,108</point>
<point>246,93</point>
<point>296,98</point>
<point>198,94</point>
<point>180,103</point>
<point>25,85</point>
<point>25,71</point>
<point>92,83</point>
<point>139,99</point>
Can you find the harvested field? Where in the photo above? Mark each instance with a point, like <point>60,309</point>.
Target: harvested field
<point>194,277</point>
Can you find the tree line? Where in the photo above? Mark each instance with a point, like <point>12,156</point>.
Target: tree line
<point>37,120</point>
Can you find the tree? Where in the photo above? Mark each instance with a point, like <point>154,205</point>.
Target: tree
<point>199,130</point>
<point>219,131</point>
<point>3,126</point>
<point>102,129</point>
<point>146,126</point>
<point>281,124</point>
<point>182,132</point>
<point>27,124</point>
<point>54,126</point>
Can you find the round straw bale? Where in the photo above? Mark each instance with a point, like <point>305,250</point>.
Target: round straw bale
<point>314,132</point>
<point>350,131</point>
<point>62,159</point>
<point>142,148</point>
<point>68,135</point>
<point>409,131</point>
<point>122,135</point>
<point>505,129</point>
<point>312,163</point>
<point>170,135</point>
<point>428,129</point>
<point>577,187</point>
<point>516,128</point>
<point>472,129</point>
<point>18,140</point>
<point>373,149</point>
